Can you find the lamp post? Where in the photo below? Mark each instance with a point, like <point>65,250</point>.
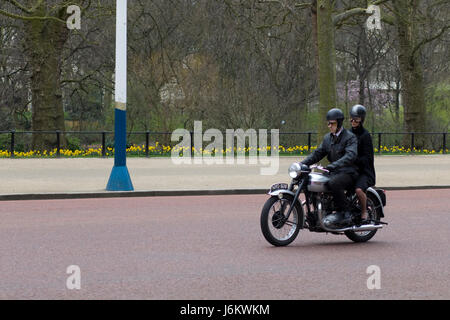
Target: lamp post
<point>120,180</point>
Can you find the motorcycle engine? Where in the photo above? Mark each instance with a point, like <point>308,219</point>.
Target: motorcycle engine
<point>327,203</point>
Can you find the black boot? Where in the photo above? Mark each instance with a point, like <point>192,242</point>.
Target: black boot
<point>340,219</point>
<point>346,219</point>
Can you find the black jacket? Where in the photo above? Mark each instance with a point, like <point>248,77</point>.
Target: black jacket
<point>365,159</point>
<point>341,152</point>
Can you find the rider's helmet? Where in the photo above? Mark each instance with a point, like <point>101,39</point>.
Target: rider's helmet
<point>336,114</point>
<point>358,111</point>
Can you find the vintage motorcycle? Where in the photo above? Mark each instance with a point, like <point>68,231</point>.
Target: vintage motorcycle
<point>285,212</point>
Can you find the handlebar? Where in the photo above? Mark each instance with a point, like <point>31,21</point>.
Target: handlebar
<point>319,167</point>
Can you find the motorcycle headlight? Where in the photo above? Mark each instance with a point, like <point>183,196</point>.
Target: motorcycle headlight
<point>294,170</point>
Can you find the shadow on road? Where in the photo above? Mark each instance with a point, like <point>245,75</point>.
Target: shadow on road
<point>341,245</point>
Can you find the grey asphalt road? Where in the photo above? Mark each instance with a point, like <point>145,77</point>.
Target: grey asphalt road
<point>211,247</point>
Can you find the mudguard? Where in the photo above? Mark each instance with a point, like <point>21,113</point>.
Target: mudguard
<point>278,188</point>
<point>381,203</point>
<point>282,191</point>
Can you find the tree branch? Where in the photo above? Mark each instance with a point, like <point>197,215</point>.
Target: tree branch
<point>427,40</point>
<point>37,5</point>
<point>303,5</point>
<point>28,11</point>
<point>377,3</point>
<point>19,6</point>
<point>341,17</point>
<point>388,19</point>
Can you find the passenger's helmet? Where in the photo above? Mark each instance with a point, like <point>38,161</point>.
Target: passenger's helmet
<point>358,111</point>
<point>336,114</point>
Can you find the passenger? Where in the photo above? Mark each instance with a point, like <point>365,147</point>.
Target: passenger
<point>365,159</point>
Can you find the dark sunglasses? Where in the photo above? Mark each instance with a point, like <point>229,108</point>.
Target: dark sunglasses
<point>330,123</point>
<point>355,120</point>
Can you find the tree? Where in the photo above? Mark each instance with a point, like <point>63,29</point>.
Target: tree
<point>13,79</point>
<point>45,34</point>
<point>405,17</point>
<point>408,17</point>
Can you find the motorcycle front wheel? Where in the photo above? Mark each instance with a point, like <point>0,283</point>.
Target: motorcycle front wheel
<point>276,229</point>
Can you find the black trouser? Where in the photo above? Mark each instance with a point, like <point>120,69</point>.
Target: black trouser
<point>338,184</point>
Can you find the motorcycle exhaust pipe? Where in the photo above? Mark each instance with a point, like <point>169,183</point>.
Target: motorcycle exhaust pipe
<point>366,227</point>
<point>362,228</point>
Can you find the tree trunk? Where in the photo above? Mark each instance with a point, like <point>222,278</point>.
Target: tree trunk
<point>362,89</point>
<point>303,108</point>
<point>397,102</point>
<point>327,63</point>
<point>361,66</point>
<point>314,33</point>
<point>44,42</point>
<point>413,95</point>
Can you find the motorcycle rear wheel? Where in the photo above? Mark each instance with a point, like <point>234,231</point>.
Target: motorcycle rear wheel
<point>373,215</point>
<point>275,229</point>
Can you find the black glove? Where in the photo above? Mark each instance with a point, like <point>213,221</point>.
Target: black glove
<point>331,167</point>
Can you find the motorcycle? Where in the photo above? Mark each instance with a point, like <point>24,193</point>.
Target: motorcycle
<point>284,214</point>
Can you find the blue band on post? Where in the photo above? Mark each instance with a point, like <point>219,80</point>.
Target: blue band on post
<point>120,180</point>
<point>120,156</point>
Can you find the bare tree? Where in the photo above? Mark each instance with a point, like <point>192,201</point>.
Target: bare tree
<point>45,35</point>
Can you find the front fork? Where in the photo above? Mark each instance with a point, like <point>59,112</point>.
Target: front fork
<point>296,199</point>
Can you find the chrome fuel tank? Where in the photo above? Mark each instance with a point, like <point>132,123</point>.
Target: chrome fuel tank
<point>317,182</point>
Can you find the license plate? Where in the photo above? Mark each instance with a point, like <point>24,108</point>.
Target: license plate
<point>278,186</point>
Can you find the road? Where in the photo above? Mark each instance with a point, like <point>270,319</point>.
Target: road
<point>211,247</point>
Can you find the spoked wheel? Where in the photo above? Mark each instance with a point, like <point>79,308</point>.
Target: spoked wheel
<point>372,212</point>
<point>276,229</point>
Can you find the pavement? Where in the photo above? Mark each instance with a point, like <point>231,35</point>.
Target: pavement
<point>27,179</point>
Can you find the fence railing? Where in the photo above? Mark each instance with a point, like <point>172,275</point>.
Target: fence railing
<point>145,138</point>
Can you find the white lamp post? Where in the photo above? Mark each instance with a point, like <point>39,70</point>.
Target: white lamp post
<point>119,179</point>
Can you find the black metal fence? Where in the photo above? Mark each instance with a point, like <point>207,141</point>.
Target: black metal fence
<point>21,141</point>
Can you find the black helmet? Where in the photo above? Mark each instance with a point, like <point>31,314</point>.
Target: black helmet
<point>336,114</point>
<point>358,111</point>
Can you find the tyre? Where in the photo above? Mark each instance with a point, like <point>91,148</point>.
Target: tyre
<point>373,214</point>
<point>274,227</point>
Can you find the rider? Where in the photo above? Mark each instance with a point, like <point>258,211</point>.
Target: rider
<point>365,159</point>
<point>341,148</point>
